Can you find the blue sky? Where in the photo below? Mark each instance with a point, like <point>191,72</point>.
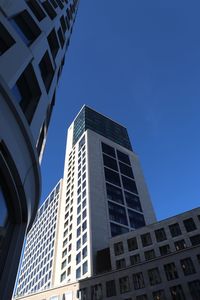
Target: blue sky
<point>138,62</point>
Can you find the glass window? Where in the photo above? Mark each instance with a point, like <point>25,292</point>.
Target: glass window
<point>63,24</point>
<point>159,295</point>
<point>49,9</point>
<point>108,149</point>
<point>96,292</point>
<point>110,288</point>
<point>78,272</point>
<point>132,244</point>
<point>123,157</point>
<point>160,235</point>
<point>138,281</point>
<point>110,162</point>
<point>187,266</point>
<point>146,239</point>
<point>53,43</point>
<point>117,213</point>
<point>120,263</point>
<point>117,229</point>
<point>6,40</point>
<point>175,229</point>
<point>84,238</point>
<point>150,254</point>
<point>195,240</point>
<point>61,37</point>
<point>180,245</point>
<point>170,271</point>
<point>112,177</point>
<point>136,219</point>
<point>63,276</point>
<point>177,293</point>
<point>154,276</point>
<point>135,259</point>
<point>78,244</point>
<point>118,248</point>
<point>124,285</point>
<point>189,224</point>
<point>36,9</point>
<point>78,258</point>
<point>126,170</point>
<point>46,70</point>
<point>114,193</point>
<point>133,201</point>
<point>84,252</point>
<point>26,27</point>
<point>164,250</point>
<point>129,185</point>
<point>194,287</point>
<point>85,267</point>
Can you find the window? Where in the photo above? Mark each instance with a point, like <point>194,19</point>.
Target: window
<point>132,244</point>
<point>187,266</point>
<point>78,244</point>
<point>36,9</point>
<point>160,235</point>
<point>194,287</point>
<point>123,157</point>
<point>164,250</point>
<point>54,3</point>
<point>189,224</point>
<point>114,193</point>
<point>64,263</point>
<point>141,297</point>
<point>112,177</point>
<point>133,201</point>
<point>27,92</point>
<point>6,40</point>
<point>170,271</point>
<point>126,170</point>
<point>129,185</point>
<point>138,281</point>
<point>78,258</point>
<point>110,162</point>
<point>96,292</point>
<point>154,276</point>
<point>118,248</point>
<point>124,285</point>
<point>53,43</point>
<point>108,150</point>
<point>177,293</point>
<point>159,295</point>
<point>149,254</point>
<point>26,27</point>
<point>180,245</point>
<point>175,229</point>
<point>195,240</point>
<point>117,229</point>
<point>136,219</point>
<point>85,267</point>
<point>49,9</point>
<point>84,252</point>
<point>146,239</point>
<point>61,37</point>
<point>117,213</point>
<point>78,272</point>
<point>63,24</point>
<point>84,238</point>
<point>120,263</point>
<point>110,288</point>
<point>135,259</point>
<point>63,276</point>
<point>46,70</point>
<point>60,4</point>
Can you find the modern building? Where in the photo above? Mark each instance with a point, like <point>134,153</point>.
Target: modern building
<point>34,36</point>
<point>103,195</point>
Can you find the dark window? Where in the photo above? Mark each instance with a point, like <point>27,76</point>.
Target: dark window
<point>124,285</point>
<point>189,225</point>
<point>6,40</point>
<point>54,3</point>
<point>180,245</point>
<point>146,239</point>
<point>132,244</point>
<point>27,92</point>
<point>41,139</point>
<point>198,258</point>
<point>108,150</point>
<point>159,295</point>
<point>138,281</point>
<point>160,235</point>
<point>194,287</point>
<point>53,43</point>
<point>112,176</point>
<point>141,297</point>
<point>49,9</point>
<point>133,201</point>
<point>126,170</point>
<point>136,219</point>
<point>150,254</point>
<point>63,24</point>
<point>195,240</point>
<point>61,37</point>
<point>114,193</point>
<point>110,162</point>
<point>110,288</point>
<point>117,229</point>
<point>46,70</point>
<point>117,213</point>
<point>60,4</point>
<point>187,266</point>
<point>177,293</point>
<point>118,248</point>
<point>123,157</point>
<point>129,185</point>
<point>164,250</point>
<point>154,276</point>
<point>175,229</point>
<point>96,290</point>
<point>135,259</point>
<point>26,27</point>
<point>170,271</point>
<point>36,9</point>
<point>120,263</point>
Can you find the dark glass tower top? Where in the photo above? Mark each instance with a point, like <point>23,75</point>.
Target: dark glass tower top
<point>90,119</point>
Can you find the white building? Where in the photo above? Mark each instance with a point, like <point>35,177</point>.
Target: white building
<point>34,36</point>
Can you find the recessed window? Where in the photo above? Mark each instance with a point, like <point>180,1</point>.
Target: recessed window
<point>63,24</point>
<point>175,229</point>
<point>136,219</point>
<point>120,263</point>
<point>27,92</point>
<point>194,287</point>
<point>135,259</point>
<point>132,244</point>
<point>61,37</point>
<point>124,284</point>
<point>114,193</point>
<point>150,254</point>
<point>54,3</point>
<point>159,295</point>
<point>123,157</point>
<point>63,276</point>
<point>126,170</point>
<point>160,235</point>
<point>110,162</point>
<point>117,213</point>
<point>112,177</point>
<point>164,250</point>
<point>170,271</point>
<point>187,266</point>
<point>6,40</point>
<point>78,258</point>
<point>195,240</point>
<point>96,290</point>
<point>117,229</point>
<point>36,9</point>
<point>177,293</point>
<point>108,149</point>
<point>189,225</point>
<point>146,239</point>
<point>49,9</point>
<point>133,201</point>
<point>142,297</point>
<point>85,267</point>
<point>46,70</point>
<point>26,27</point>
<point>129,185</point>
<point>110,288</point>
<point>78,272</point>
<point>118,248</point>
<point>180,245</point>
<point>53,43</point>
<point>138,281</point>
<point>154,276</point>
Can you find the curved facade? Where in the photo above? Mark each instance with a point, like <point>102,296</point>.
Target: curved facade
<point>34,36</point>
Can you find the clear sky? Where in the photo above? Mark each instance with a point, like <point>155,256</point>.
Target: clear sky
<point>138,62</point>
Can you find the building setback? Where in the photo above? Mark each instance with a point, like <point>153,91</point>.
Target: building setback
<point>34,36</point>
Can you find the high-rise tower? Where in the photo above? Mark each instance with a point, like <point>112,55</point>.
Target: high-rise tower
<point>34,36</point>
